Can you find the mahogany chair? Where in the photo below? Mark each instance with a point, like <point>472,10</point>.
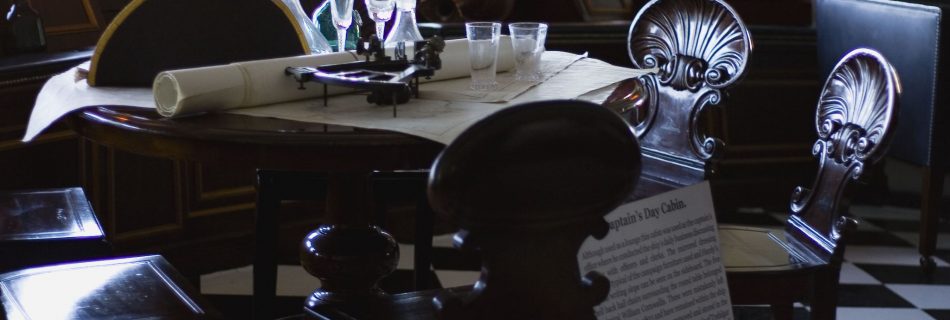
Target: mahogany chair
<point>857,112</point>
<point>700,48</point>
<point>145,287</point>
<point>47,226</point>
<point>527,185</point>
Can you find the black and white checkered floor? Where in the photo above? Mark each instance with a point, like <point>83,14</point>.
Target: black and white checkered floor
<point>880,280</point>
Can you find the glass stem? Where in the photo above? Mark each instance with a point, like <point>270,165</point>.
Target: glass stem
<point>400,52</point>
<point>380,29</point>
<point>341,39</point>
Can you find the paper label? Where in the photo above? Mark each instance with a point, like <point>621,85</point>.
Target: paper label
<point>662,258</point>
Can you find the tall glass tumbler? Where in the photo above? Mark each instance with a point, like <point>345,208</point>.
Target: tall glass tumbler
<point>527,42</point>
<point>342,11</point>
<point>483,40</point>
<point>380,11</point>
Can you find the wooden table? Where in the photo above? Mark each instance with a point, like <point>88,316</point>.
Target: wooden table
<point>347,155</point>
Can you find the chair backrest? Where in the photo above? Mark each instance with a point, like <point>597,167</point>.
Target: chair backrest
<point>857,112</point>
<point>527,185</point>
<point>700,48</point>
<point>914,36</point>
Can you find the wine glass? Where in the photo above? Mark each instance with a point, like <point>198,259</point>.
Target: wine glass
<point>342,11</point>
<point>380,11</point>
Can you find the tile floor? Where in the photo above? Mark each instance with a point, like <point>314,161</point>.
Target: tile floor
<point>881,278</point>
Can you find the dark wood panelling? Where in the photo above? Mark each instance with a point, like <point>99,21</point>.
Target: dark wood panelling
<point>768,123</point>
<point>70,24</point>
<point>219,189</point>
<point>146,197</point>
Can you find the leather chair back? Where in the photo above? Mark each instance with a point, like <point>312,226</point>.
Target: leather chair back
<point>913,37</point>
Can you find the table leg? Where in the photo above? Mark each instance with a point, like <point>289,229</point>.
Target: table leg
<point>348,255</point>
<point>265,247</point>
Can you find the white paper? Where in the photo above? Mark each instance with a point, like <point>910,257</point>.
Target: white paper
<point>263,82</point>
<point>68,91</point>
<point>443,120</point>
<point>662,258</point>
<point>508,88</point>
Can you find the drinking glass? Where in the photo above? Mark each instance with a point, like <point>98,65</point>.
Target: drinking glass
<point>527,42</point>
<point>483,53</point>
<point>380,11</point>
<point>342,11</point>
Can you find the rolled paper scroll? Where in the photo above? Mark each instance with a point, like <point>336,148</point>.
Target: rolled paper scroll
<point>263,82</point>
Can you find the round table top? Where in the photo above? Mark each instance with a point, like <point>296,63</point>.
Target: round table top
<point>260,142</point>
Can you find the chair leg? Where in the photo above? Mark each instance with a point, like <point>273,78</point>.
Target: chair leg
<point>824,297</point>
<point>931,193</point>
<point>265,247</point>
<point>423,243</point>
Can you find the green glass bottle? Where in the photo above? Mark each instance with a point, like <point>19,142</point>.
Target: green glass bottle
<point>323,18</point>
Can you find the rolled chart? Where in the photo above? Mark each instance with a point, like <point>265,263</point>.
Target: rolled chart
<point>263,82</point>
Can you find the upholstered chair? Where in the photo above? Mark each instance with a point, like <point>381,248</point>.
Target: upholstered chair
<point>914,36</point>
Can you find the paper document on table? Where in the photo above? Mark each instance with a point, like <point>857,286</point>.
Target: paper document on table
<point>552,63</point>
<point>583,76</point>
<point>662,258</point>
<point>442,120</point>
<point>436,120</point>
<point>68,91</point>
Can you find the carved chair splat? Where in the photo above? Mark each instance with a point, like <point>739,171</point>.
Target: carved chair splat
<point>700,48</point>
<point>856,114</point>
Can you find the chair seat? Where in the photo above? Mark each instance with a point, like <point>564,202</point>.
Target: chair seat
<point>754,249</point>
<point>47,214</point>
<point>131,288</point>
<point>47,226</point>
<point>762,267</point>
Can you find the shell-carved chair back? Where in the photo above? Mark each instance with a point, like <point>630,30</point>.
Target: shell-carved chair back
<point>857,112</point>
<point>700,48</point>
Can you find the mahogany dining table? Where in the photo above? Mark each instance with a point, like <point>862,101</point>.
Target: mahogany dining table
<point>346,155</point>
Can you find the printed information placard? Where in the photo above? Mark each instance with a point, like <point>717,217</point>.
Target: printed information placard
<point>662,258</point>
